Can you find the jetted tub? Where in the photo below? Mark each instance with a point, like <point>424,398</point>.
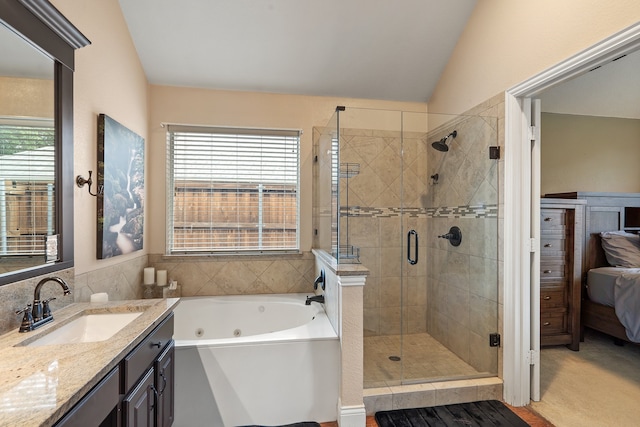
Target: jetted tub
<point>255,359</point>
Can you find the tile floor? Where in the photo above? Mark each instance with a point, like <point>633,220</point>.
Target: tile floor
<point>423,358</point>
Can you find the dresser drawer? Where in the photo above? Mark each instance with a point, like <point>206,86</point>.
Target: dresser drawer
<point>553,245</point>
<point>553,323</point>
<point>553,297</point>
<point>554,285</point>
<point>138,361</point>
<point>553,219</point>
<point>552,268</point>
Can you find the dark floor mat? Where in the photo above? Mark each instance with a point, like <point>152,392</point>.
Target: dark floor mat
<point>486,413</point>
<point>304,424</point>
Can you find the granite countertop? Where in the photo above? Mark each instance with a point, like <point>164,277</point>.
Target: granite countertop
<point>39,384</point>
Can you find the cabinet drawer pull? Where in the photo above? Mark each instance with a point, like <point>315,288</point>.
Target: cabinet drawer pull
<point>155,393</point>
<point>547,297</point>
<point>546,324</point>
<point>156,344</point>
<point>164,382</point>
<point>548,245</point>
<point>547,219</point>
<point>547,271</point>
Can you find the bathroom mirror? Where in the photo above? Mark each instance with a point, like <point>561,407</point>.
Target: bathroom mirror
<point>36,139</point>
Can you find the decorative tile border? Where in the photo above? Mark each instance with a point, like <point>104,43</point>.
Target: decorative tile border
<point>480,211</point>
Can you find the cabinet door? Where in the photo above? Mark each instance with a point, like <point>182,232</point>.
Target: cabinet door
<point>101,403</point>
<point>139,405</point>
<point>165,368</point>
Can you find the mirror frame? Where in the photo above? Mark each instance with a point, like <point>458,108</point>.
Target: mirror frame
<point>39,23</point>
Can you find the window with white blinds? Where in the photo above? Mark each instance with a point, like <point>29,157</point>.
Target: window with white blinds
<point>27,184</point>
<point>232,190</point>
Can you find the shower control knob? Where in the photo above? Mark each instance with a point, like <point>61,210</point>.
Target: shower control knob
<point>454,236</point>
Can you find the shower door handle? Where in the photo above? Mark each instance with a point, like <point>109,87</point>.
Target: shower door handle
<point>412,261</point>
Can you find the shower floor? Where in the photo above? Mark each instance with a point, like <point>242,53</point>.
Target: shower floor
<point>424,359</point>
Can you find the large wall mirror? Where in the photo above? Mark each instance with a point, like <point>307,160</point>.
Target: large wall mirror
<point>36,139</point>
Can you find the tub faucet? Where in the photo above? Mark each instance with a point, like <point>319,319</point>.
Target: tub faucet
<point>315,298</point>
<point>38,305</point>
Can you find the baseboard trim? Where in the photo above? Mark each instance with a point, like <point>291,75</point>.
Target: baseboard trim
<point>352,416</point>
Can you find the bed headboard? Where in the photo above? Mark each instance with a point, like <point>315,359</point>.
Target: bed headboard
<point>603,212</point>
<point>595,254</point>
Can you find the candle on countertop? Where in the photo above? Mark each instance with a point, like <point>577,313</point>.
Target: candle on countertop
<point>149,275</point>
<point>162,277</point>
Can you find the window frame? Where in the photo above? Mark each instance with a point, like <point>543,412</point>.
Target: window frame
<point>171,131</point>
<point>32,191</point>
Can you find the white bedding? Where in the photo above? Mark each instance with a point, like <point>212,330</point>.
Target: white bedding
<point>620,288</point>
<point>600,284</point>
<point>627,303</point>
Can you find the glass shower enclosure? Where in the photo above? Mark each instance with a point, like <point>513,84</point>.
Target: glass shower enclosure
<point>424,222</point>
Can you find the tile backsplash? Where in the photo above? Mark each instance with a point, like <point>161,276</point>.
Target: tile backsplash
<point>15,296</point>
<point>226,275</point>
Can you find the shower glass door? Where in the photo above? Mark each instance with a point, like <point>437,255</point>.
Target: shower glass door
<point>462,252</point>
<point>429,306</point>
<point>371,224</point>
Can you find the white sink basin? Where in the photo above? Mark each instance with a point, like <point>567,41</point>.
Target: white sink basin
<point>87,328</point>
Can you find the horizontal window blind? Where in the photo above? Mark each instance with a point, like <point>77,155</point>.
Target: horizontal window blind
<point>27,185</point>
<point>232,190</point>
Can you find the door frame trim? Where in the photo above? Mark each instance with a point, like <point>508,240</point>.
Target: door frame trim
<point>517,212</point>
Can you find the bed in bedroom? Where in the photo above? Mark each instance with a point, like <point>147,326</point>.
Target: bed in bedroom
<point>611,302</point>
<point>610,284</point>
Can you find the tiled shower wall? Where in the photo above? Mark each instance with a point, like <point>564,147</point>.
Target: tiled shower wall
<point>463,280</point>
<point>375,198</point>
<point>452,293</point>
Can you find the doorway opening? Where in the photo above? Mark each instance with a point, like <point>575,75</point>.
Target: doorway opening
<point>522,195</point>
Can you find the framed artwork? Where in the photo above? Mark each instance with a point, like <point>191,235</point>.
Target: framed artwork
<point>121,187</point>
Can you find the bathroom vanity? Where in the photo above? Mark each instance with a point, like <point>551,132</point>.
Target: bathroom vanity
<point>125,380</point>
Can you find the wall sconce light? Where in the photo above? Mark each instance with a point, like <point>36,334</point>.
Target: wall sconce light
<point>80,182</point>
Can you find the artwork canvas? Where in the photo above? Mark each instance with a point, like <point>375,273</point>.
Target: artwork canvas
<point>121,184</point>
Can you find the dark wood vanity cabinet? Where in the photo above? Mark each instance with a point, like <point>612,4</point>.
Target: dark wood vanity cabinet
<point>165,386</point>
<point>139,405</point>
<point>151,402</point>
<point>138,392</point>
<point>148,375</point>
<point>101,403</point>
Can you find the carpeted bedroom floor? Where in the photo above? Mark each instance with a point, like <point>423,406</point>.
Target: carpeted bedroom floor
<point>596,386</point>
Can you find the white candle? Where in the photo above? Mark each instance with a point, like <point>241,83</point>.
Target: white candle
<point>149,275</point>
<point>162,277</point>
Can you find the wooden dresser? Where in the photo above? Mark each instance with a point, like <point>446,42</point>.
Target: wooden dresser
<point>561,228</point>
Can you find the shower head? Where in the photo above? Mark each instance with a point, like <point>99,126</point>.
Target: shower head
<point>441,145</point>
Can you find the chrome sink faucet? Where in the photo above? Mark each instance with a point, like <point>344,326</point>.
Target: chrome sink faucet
<point>40,313</point>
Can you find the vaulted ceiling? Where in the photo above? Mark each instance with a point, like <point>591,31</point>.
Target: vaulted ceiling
<point>376,49</point>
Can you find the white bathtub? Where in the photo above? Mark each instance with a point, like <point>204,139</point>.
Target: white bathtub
<point>256,359</point>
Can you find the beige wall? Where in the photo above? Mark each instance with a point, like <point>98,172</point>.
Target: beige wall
<point>586,153</point>
<point>108,79</point>
<point>506,42</point>
<point>26,97</point>
<point>243,109</point>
